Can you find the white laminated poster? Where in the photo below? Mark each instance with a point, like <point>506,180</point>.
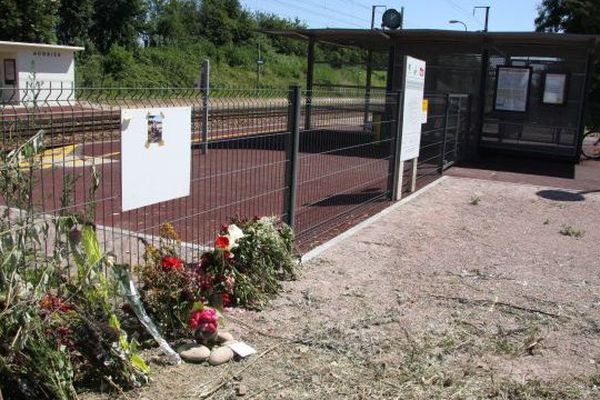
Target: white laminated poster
<point>555,88</point>
<point>413,115</point>
<point>512,89</point>
<point>156,155</point>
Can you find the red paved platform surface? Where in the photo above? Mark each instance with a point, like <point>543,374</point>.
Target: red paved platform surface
<point>584,176</point>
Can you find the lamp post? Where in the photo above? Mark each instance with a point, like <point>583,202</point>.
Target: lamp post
<point>453,21</point>
<point>487,15</point>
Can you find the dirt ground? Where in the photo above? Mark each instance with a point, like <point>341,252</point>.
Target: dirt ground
<point>469,291</point>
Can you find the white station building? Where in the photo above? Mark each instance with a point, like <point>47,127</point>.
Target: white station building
<point>36,72</point>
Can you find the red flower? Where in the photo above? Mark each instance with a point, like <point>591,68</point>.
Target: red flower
<point>222,243</point>
<point>226,299</point>
<point>171,262</point>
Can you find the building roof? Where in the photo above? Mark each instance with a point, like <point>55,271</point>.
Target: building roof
<point>4,44</point>
<point>379,40</point>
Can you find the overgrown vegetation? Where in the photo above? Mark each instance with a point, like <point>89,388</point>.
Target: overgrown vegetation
<point>163,43</point>
<point>59,332</point>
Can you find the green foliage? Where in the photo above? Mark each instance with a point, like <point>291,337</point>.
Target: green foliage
<point>117,63</point>
<point>58,332</point>
<point>28,21</point>
<point>231,66</point>
<point>263,258</point>
<point>116,22</point>
<point>571,16</point>
<point>75,18</point>
<point>180,35</point>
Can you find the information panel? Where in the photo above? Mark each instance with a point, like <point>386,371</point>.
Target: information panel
<point>412,117</point>
<point>155,155</point>
<point>555,88</point>
<point>512,89</point>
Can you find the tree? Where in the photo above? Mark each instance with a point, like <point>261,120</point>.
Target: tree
<point>569,16</point>
<point>28,21</point>
<point>224,21</point>
<point>117,22</point>
<point>268,21</point>
<point>175,22</point>
<point>75,19</point>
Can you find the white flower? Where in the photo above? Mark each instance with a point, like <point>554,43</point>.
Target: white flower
<point>234,233</point>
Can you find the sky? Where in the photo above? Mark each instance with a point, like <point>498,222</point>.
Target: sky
<point>505,15</point>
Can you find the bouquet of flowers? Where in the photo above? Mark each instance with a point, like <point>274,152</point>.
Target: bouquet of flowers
<point>204,322</point>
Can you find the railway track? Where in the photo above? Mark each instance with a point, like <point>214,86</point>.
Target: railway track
<point>77,123</point>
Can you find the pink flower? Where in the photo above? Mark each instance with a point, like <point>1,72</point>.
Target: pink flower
<point>205,320</point>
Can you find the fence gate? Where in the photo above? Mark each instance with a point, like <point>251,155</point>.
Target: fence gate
<point>455,127</point>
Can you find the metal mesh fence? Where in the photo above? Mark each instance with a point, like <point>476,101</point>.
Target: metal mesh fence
<point>321,162</point>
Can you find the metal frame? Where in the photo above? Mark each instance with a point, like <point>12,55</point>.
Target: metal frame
<point>500,67</point>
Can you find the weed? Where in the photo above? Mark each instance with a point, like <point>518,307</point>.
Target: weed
<point>568,230</point>
<point>547,221</point>
<point>474,200</point>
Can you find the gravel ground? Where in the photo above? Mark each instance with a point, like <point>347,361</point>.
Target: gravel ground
<point>469,291</point>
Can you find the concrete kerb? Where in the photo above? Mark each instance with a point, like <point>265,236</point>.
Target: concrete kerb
<point>317,251</point>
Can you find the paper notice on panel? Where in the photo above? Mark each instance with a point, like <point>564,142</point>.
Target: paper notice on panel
<point>512,90</point>
<point>412,116</point>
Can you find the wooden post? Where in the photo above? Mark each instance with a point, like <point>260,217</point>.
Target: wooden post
<point>398,190</point>
<point>415,163</point>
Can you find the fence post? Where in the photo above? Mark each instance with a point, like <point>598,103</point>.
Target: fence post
<point>445,134</point>
<point>396,170</point>
<point>205,87</point>
<point>292,147</point>
<point>310,72</point>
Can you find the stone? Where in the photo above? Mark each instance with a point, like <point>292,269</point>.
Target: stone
<point>195,354</point>
<point>223,337</point>
<point>220,355</point>
<point>241,390</point>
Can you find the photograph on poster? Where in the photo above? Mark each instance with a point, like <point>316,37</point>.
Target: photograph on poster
<point>155,155</point>
<point>555,88</point>
<point>155,129</point>
<point>512,88</point>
